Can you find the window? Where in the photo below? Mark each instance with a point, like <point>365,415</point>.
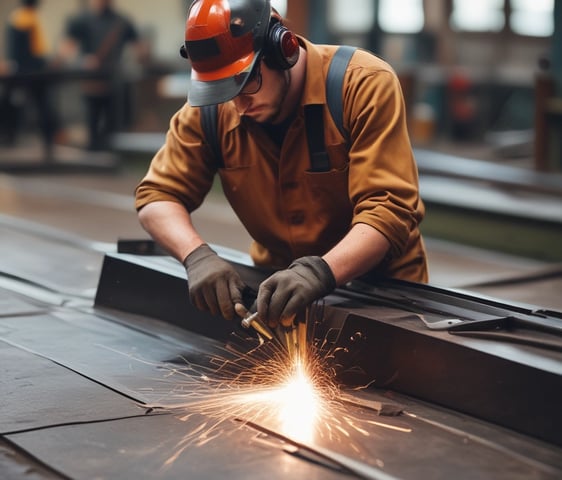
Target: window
<point>401,16</point>
<point>478,15</point>
<point>532,17</point>
<point>351,16</point>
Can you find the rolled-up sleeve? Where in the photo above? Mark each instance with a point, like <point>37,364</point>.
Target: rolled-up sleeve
<point>383,177</point>
<point>182,170</point>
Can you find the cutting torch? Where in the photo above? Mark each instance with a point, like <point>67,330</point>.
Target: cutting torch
<point>292,337</point>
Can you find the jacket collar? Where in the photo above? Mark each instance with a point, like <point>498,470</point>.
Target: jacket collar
<point>314,86</point>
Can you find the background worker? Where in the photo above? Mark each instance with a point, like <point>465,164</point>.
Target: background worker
<point>99,35</point>
<point>27,53</point>
<point>319,229</point>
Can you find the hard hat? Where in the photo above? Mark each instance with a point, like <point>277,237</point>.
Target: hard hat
<point>223,40</point>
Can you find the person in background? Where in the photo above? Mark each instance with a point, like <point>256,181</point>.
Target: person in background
<point>318,229</point>
<point>27,59</point>
<point>98,36</point>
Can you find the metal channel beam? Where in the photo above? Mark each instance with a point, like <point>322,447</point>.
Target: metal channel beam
<point>514,385</point>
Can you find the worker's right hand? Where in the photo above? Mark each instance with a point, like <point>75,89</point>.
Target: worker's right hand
<point>214,285</point>
<point>289,291</point>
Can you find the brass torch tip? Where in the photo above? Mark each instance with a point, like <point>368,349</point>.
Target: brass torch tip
<point>254,322</point>
<point>247,321</point>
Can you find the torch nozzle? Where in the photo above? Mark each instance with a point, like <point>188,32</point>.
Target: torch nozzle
<point>253,321</point>
<point>293,337</point>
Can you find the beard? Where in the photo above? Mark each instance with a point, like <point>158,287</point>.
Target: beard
<point>272,111</point>
<point>280,99</point>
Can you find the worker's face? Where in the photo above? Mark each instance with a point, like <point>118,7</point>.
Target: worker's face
<point>266,104</point>
<point>99,6</point>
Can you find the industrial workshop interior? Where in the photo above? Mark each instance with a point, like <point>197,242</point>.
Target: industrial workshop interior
<point>109,371</point>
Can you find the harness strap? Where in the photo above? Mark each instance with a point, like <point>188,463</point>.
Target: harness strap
<point>209,124</point>
<point>334,84</point>
<point>314,123</point>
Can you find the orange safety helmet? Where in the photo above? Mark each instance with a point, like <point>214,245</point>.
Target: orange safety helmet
<point>224,39</point>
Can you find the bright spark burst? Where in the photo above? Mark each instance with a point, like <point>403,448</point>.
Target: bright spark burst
<point>285,394</point>
<point>299,405</point>
<point>295,397</point>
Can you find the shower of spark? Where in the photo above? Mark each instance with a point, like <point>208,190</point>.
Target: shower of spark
<point>288,395</point>
<point>296,397</point>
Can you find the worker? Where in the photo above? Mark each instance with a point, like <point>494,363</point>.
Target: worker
<point>27,52</point>
<point>317,230</point>
<point>98,36</point>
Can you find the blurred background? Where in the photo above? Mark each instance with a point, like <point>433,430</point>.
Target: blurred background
<point>471,70</point>
<point>482,81</point>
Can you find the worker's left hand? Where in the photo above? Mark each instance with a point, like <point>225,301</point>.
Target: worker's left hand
<point>214,285</point>
<point>288,291</point>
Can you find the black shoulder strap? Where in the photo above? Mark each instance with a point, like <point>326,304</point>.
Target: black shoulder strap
<point>314,121</point>
<point>314,124</point>
<point>313,114</point>
<point>334,84</point>
<point>209,125</point>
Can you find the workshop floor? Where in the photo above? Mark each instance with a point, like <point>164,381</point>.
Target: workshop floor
<point>96,202</point>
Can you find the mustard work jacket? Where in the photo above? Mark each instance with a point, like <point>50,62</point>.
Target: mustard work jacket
<point>288,210</point>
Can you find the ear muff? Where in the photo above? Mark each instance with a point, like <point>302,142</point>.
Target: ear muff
<point>281,49</point>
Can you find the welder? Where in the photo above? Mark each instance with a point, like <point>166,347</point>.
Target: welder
<point>356,213</point>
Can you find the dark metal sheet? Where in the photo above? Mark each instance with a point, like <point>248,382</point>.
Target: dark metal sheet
<point>140,448</point>
<point>136,361</point>
<point>12,304</point>
<point>39,259</point>
<point>15,465</point>
<point>124,359</point>
<point>160,447</point>
<point>38,393</point>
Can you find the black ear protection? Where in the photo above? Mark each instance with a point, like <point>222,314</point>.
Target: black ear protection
<point>281,47</point>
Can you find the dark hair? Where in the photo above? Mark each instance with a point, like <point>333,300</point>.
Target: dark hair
<point>30,3</point>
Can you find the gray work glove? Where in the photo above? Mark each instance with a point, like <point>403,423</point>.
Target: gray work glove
<point>288,291</point>
<point>214,284</point>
